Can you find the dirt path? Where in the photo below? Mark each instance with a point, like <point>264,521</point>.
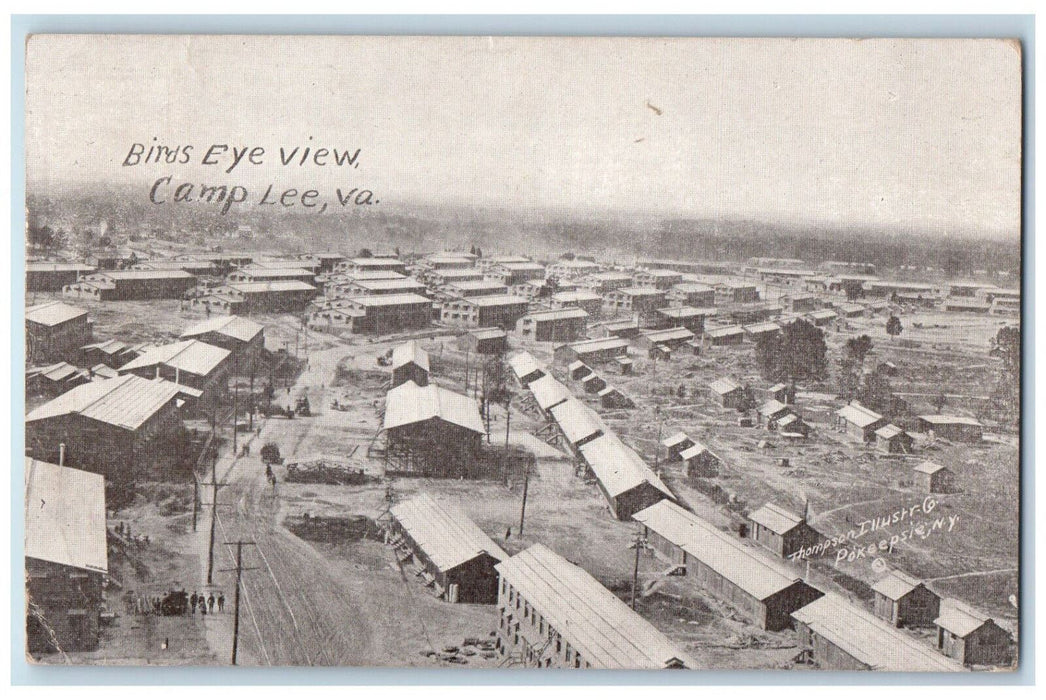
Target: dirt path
<point>294,610</point>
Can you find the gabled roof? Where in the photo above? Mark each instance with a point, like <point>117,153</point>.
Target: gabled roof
<point>889,431</point>
<point>408,403</point>
<point>523,364</point>
<point>56,372</point>
<point>694,450</point>
<point>822,314</point>
<point>58,267</point>
<point>495,300</point>
<point>568,297</point>
<point>557,314</point>
<point>950,420</point>
<point>109,347</point>
<point>126,401</point>
<point>607,633</point>
<point>772,408</point>
<point>408,352</point>
<point>143,274</point>
<point>870,640</point>
<point>236,327</point>
<point>639,291</point>
<point>858,415</point>
<point>598,344</point>
<point>960,619</point>
<point>896,585</point>
<point>53,313</point>
<point>388,300</point>
<point>577,421</point>
<point>767,327</point>
<point>929,467</point>
<point>486,333</point>
<point>668,334</point>
<point>193,356</point>
<point>748,568</point>
<point>618,467</point>
<point>677,439</point>
<point>775,518</point>
<point>686,312</point>
<point>270,286</point>
<point>724,331</point>
<point>444,533</point>
<point>65,516</point>
<point>548,392</point>
<point>724,385</point>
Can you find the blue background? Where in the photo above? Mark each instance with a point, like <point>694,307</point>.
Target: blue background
<point>1010,26</point>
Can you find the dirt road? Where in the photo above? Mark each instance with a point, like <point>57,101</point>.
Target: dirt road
<point>294,611</point>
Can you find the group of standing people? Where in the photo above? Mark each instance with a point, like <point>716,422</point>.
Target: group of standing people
<point>206,603</point>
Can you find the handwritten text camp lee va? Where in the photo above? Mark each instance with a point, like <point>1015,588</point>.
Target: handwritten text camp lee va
<point>229,158</point>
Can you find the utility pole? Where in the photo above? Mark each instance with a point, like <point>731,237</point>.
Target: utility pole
<point>508,416</point>
<point>240,568</point>
<point>638,543</point>
<point>195,498</point>
<point>657,446</point>
<point>214,521</point>
<point>523,508</point>
<point>235,397</point>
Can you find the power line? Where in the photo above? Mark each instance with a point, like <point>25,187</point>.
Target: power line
<point>236,599</point>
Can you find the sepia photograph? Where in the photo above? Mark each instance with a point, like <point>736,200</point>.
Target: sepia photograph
<point>505,353</point>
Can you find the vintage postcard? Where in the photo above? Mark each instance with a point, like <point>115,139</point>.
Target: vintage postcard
<point>523,353</point>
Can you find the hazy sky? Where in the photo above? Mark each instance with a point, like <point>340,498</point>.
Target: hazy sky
<point>896,133</point>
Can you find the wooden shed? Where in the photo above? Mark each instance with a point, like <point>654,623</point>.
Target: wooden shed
<point>971,637</point>
<point>726,392</point>
<point>698,461</point>
<point>905,601</point>
<point>893,440</point>
<point>780,531</point>
<point>410,363</point>
<point>933,478</point>
<point>676,444</point>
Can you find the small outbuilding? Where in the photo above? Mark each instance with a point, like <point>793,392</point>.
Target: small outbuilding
<point>612,397</point>
<point>676,444</point>
<point>893,440</point>
<point>933,478</point>
<point>698,461</point>
<point>726,392</point>
<point>954,428</point>
<point>905,601</point>
<point>410,363</point>
<point>593,384</point>
<point>578,370</point>
<point>780,531</point>
<point>971,637</point>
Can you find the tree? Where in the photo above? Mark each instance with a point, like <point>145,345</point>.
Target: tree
<point>854,289</point>
<point>1007,345</point>
<point>876,392</point>
<point>567,256</point>
<point>893,326</point>
<point>799,352</point>
<point>365,253</point>
<point>858,348</point>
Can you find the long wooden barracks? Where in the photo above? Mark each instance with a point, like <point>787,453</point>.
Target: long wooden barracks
<point>454,554</point>
<point>764,591</point>
<point>553,614</point>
